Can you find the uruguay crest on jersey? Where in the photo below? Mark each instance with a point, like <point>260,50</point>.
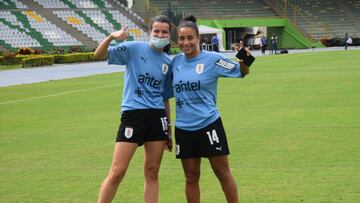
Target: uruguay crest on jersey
<point>199,68</point>
<point>128,132</point>
<point>164,68</point>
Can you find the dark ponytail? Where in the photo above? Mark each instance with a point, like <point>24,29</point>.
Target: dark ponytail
<point>190,22</point>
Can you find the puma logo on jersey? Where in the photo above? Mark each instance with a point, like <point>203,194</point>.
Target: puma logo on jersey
<point>225,64</point>
<point>144,59</point>
<point>219,148</point>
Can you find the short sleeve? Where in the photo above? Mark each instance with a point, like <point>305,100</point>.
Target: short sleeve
<point>225,67</point>
<point>119,53</point>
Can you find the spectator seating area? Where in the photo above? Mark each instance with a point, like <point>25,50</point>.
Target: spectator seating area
<point>12,4</point>
<point>23,25</point>
<point>318,18</point>
<point>223,9</point>
<point>332,18</point>
<point>63,23</point>
<point>29,29</point>
<point>354,7</point>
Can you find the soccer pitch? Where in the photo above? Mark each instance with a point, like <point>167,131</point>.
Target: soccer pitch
<point>293,127</point>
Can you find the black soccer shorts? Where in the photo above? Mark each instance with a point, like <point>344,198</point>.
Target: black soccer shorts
<point>143,125</point>
<point>206,142</point>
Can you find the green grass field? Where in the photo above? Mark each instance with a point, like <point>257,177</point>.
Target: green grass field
<point>293,126</point>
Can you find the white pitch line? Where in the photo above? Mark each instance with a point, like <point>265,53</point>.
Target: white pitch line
<point>58,94</point>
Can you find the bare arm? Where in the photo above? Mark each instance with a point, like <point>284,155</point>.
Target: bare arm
<point>167,111</point>
<point>102,50</point>
<point>244,69</point>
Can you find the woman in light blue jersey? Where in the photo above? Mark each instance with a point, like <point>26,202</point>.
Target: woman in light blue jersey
<point>145,113</point>
<point>199,131</point>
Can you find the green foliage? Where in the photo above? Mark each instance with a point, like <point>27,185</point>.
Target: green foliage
<point>174,50</point>
<point>26,51</point>
<point>337,41</point>
<point>35,61</point>
<point>75,57</point>
<point>11,58</point>
<point>356,41</point>
<point>9,55</point>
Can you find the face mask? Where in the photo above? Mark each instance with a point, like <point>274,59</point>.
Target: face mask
<point>159,42</point>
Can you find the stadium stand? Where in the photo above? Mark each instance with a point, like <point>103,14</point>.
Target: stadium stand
<point>29,23</point>
<point>11,4</point>
<point>13,33</point>
<point>49,31</point>
<point>214,9</point>
<point>48,24</point>
<point>75,20</point>
<point>52,3</point>
<point>325,18</point>
<point>332,19</point>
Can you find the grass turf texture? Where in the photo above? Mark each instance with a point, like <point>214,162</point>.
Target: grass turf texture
<point>293,128</point>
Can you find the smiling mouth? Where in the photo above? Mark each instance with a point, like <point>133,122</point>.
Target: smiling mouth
<point>186,48</point>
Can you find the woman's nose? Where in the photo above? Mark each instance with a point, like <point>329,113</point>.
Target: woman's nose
<point>163,35</point>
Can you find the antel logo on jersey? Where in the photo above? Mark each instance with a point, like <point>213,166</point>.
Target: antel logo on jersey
<point>164,68</point>
<point>187,86</point>
<point>199,68</point>
<point>147,79</point>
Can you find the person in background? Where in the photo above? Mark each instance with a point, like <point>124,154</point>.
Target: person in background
<point>240,45</point>
<point>263,44</point>
<point>145,114</point>
<point>274,44</point>
<point>215,43</point>
<point>347,41</point>
<point>199,131</point>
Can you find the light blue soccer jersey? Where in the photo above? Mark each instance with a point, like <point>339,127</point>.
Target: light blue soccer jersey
<point>195,87</point>
<point>146,73</point>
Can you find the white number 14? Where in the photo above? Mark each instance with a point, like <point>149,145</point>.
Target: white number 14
<point>212,137</point>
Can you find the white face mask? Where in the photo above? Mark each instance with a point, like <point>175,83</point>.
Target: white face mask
<point>159,42</point>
